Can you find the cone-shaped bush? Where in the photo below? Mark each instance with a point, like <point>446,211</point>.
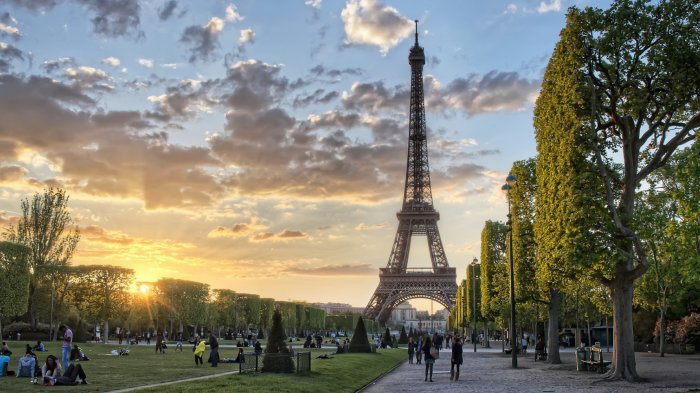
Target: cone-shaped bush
<point>277,359</point>
<point>359,342</point>
<point>387,338</point>
<point>403,338</point>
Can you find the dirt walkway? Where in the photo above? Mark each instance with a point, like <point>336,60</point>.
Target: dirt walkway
<point>489,371</point>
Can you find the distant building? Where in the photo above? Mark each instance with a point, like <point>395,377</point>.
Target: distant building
<point>339,308</point>
<point>407,315</point>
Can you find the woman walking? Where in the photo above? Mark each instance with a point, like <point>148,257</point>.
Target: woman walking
<point>456,359</point>
<point>411,349</point>
<point>419,350</point>
<point>428,357</point>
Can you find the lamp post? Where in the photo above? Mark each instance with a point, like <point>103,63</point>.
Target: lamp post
<point>474,263</point>
<point>510,182</point>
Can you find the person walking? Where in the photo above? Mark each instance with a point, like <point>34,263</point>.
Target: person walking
<point>411,350</point>
<point>419,350</point>
<point>456,359</point>
<point>159,342</point>
<point>428,355</point>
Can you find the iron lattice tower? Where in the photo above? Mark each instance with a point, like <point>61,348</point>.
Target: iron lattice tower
<point>418,217</point>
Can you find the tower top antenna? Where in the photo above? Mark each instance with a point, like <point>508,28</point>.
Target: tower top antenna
<point>416,31</point>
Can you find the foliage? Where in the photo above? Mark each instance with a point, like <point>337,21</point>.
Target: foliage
<point>14,281</point>
<point>277,357</point>
<point>360,342</point>
<point>386,338</point>
<point>522,197</point>
<point>494,270</point>
<point>44,229</point>
<point>470,283</point>
<point>183,300</point>
<point>101,292</point>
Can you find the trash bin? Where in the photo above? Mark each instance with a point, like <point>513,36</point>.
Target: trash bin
<point>581,355</point>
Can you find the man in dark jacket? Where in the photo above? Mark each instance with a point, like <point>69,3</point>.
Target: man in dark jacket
<point>214,345</point>
<point>456,359</point>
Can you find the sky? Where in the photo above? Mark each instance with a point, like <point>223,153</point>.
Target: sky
<point>260,146</point>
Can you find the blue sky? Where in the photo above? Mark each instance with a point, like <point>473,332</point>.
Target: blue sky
<point>260,145</point>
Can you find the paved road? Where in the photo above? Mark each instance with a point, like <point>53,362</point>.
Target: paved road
<point>489,371</point>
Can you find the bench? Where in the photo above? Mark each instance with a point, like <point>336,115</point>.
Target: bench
<point>596,362</point>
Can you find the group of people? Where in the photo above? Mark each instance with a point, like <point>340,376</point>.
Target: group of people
<point>200,346</point>
<point>426,350</point>
<point>52,372</point>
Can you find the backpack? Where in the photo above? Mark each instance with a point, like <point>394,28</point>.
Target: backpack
<point>26,366</point>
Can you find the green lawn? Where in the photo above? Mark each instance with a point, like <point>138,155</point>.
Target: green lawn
<point>143,366</point>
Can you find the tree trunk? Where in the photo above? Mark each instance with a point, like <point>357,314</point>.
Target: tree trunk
<point>577,336</point>
<point>55,331</point>
<point>106,332</point>
<point>662,333</point>
<point>553,328</point>
<point>624,365</point>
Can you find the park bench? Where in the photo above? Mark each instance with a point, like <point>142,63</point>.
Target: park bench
<point>596,361</point>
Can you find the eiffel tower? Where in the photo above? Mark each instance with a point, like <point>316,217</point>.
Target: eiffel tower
<point>418,217</point>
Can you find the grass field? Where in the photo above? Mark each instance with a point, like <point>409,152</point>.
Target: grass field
<point>342,373</point>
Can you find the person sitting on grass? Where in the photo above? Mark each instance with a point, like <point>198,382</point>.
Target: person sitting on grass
<point>77,354</point>
<point>27,364</point>
<point>51,369</point>
<point>5,363</point>
<point>74,375</point>
<point>39,346</point>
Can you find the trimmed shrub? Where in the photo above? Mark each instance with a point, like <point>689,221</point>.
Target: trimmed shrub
<point>359,342</point>
<point>277,358</point>
<point>403,338</point>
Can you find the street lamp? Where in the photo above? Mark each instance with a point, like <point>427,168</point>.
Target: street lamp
<point>510,182</point>
<point>474,263</point>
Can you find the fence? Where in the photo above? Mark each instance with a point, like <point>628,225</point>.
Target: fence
<point>249,363</point>
<point>303,362</point>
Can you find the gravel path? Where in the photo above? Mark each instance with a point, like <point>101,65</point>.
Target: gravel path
<point>489,371</point>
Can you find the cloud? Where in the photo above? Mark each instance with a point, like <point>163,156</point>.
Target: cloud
<point>368,22</point>
<point>115,18</point>
<point>238,230</point>
<point>365,227</point>
<point>333,73</point>
<point>148,63</point>
<point>8,54</point>
<point>553,6</point>
<point>97,152</point>
<point>5,26</point>
<point>185,99</point>
<point>98,234</point>
<point>493,92</point>
<point>51,66</point>
<point>232,14</point>
<point>374,97</point>
<point>285,235</point>
<point>203,40</point>
<point>89,78</point>
<point>247,36</point>
<point>319,96</point>
<point>112,61</point>
<point>167,9</point>
<point>313,3</point>
<point>364,269</point>
<point>12,173</point>
<point>34,5</point>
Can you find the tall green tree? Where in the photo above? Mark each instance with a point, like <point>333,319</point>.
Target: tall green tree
<point>101,292</point>
<point>566,202</point>
<point>640,65</point>
<point>277,357</point>
<point>494,271</point>
<point>14,281</point>
<point>186,301</point>
<point>47,229</point>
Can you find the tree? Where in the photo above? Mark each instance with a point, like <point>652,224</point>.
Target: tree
<point>403,338</point>
<point>640,66</point>
<point>277,358</point>
<point>185,300</point>
<point>14,280</point>
<point>44,229</point>
<point>360,342</point>
<point>493,270</point>
<point>386,339</point>
<point>101,292</point>
<point>632,69</point>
